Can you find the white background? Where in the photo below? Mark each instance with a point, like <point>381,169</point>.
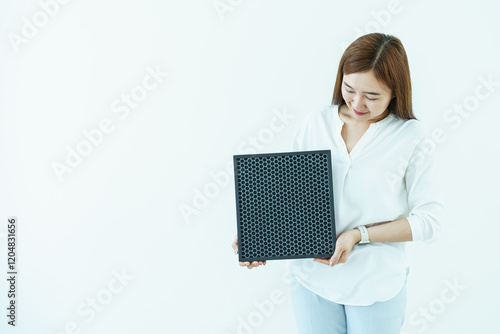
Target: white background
<point>229,73</point>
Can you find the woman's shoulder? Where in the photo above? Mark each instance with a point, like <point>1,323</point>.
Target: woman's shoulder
<point>409,132</point>
<point>317,118</point>
<point>320,113</point>
<point>320,109</point>
<point>411,126</point>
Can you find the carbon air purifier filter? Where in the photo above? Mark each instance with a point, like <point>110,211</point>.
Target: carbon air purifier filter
<point>284,205</point>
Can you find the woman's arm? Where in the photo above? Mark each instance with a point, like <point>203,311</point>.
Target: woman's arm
<point>394,231</point>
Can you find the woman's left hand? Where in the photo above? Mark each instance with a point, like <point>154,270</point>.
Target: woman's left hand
<point>345,241</point>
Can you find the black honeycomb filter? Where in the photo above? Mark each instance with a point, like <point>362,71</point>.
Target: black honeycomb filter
<point>284,205</point>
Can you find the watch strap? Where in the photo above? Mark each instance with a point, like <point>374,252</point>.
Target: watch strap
<point>364,234</point>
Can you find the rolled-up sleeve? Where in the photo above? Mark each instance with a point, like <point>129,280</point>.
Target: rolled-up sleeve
<point>422,178</point>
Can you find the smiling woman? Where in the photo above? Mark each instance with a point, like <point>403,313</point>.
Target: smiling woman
<point>386,193</point>
<point>377,65</point>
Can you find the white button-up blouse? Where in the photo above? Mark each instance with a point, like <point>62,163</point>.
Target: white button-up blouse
<point>389,174</point>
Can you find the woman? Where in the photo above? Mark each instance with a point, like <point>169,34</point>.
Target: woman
<point>385,194</point>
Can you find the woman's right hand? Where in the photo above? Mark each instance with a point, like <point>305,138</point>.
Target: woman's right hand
<point>249,265</point>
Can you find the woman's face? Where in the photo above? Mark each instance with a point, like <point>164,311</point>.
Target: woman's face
<point>365,97</point>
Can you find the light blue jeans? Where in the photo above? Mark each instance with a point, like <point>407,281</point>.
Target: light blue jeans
<point>317,315</point>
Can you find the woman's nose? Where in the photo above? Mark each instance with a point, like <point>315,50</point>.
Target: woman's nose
<point>357,103</point>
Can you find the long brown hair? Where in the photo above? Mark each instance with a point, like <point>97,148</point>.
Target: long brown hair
<point>386,57</point>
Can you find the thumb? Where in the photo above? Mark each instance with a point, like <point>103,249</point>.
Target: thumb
<point>336,256</point>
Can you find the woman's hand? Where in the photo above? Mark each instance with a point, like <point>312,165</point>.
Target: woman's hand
<point>345,241</point>
<point>249,265</point>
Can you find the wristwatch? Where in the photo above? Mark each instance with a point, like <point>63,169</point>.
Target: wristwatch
<point>364,235</point>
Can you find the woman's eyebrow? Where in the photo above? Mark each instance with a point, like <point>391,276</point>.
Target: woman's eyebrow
<point>371,93</point>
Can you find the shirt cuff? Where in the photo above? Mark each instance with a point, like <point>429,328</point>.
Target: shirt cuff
<point>415,226</point>
<point>424,228</point>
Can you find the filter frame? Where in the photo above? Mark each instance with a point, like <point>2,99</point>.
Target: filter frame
<point>301,227</point>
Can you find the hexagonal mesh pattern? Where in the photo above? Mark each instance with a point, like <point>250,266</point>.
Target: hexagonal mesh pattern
<point>284,204</point>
